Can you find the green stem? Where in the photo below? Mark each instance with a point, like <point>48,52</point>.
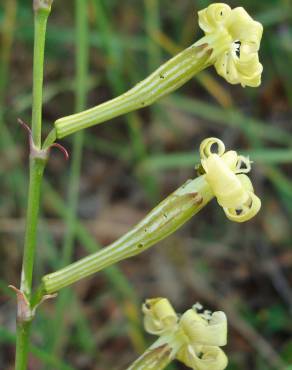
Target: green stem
<point>167,78</point>
<point>22,342</point>
<point>37,165</point>
<point>42,355</point>
<point>40,24</point>
<point>162,221</point>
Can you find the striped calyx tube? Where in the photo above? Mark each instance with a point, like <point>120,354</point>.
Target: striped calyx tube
<point>224,177</point>
<point>231,43</point>
<point>162,221</point>
<point>167,78</point>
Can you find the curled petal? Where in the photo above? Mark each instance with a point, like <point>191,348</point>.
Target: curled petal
<point>242,27</point>
<point>245,182</point>
<point>160,316</point>
<point>243,165</point>
<point>249,208</point>
<point>208,358</point>
<point>248,48</point>
<point>246,211</point>
<point>204,332</point>
<point>230,158</point>
<point>209,143</point>
<point>246,69</point>
<point>249,69</point>
<point>213,16</point>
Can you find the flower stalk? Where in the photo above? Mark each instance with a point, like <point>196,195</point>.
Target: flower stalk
<point>231,43</point>
<point>223,176</point>
<point>166,79</point>
<point>162,221</point>
<point>38,159</point>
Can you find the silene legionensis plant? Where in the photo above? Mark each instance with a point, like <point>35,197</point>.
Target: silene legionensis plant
<point>230,43</point>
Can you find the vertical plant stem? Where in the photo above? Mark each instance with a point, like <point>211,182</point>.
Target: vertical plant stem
<point>36,169</point>
<point>36,173</point>
<point>81,58</point>
<point>22,341</point>
<point>40,24</point>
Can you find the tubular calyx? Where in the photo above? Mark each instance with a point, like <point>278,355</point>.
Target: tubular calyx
<point>231,43</point>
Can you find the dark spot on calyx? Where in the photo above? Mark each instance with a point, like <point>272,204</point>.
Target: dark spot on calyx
<point>209,52</point>
<point>203,46</point>
<point>198,198</point>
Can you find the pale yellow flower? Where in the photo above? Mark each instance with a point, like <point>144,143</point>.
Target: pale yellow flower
<point>225,173</point>
<point>159,316</point>
<point>231,43</point>
<point>234,38</point>
<point>194,338</point>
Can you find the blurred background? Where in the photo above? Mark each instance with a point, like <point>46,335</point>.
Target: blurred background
<point>131,163</point>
